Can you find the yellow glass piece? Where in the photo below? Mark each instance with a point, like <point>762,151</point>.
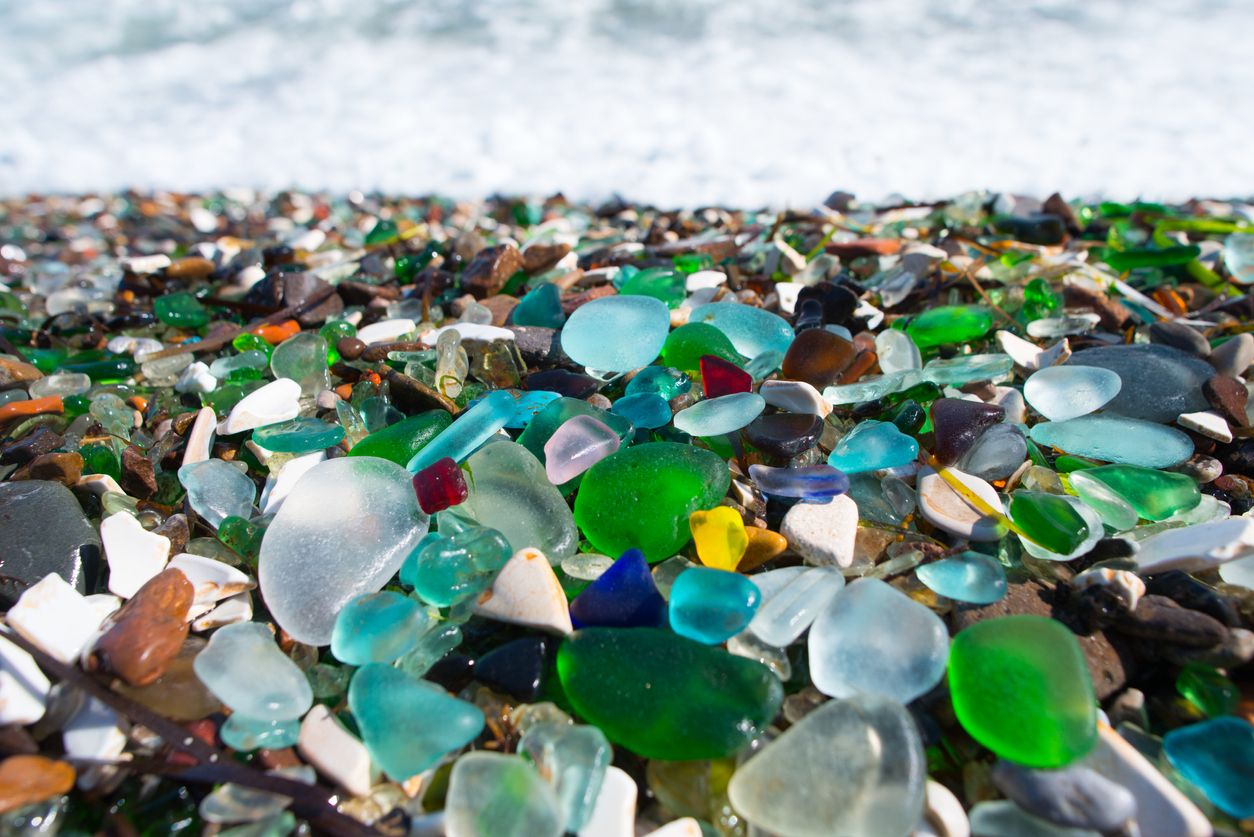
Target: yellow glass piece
<point>720,537</point>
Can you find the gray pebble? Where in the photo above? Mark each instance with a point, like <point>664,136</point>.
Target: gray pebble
<point>1233,357</point>
<point>1075,797</point>
<point>1181,337</point>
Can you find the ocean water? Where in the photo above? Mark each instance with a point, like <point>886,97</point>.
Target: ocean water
<point>677,102</point>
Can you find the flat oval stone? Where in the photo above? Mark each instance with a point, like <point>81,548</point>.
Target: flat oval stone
<point>343,531</point>
<point>509,492</point>
<point>408,724</point>
<point>1020,687</point>
<point>244,668</point>
<point>665,697</point>
<point>751,330</point>
<point>784,435</point>
<point>965,577</point>
<point>1116,439</point>
<point>44,530</point>
<point>617,333</point>
<point>1072,797</point>
<point>1066,392</point>
<point>851,766</point>
<point>871,446</point>
<point>1159,382</point>
<point>642,496</point>
<point>873,639</point>
<point>716,416</point>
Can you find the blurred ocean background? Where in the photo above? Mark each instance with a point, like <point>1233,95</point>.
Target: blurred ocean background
<point>677,102</point>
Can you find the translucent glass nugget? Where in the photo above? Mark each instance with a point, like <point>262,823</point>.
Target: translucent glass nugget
<point>871,446</point>
<point>452,569</point>
<point>1116,439</point>
<point>440,485</point>
<point>716,416</point>
<point>719,535</point>
<point>616,334</point>
<point>711,605</point>
<point>577,445</point>
<point>244,668</point>
<point>495,795</point>
<point>966,577</point>
<point>625,596</point>
<point>217,490</point>
<point>1066,392</point>
<point>751,330</point>
<point>467,432</point>
<point>574,757</point>
<point>378,628</point>
<point>814,482</point>
<point>788,611</point>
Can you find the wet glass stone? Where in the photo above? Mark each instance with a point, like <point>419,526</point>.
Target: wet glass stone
<point>1116,439</point>
<point>712,605</point>
<point>1066,392</point>
<point>401,441</point>
<point>1158,382</point>
<point>871,446</point>
<point>751,330</point>
<point>965,577</point>
<point>378,628</point>
<point>817,356</point>
<point>718,377</point>
<point>957,423</point>
<point>1049,520</point>
<point>440,485</point>
<point>624,596</point>
<point>950,324</point>
<point>665,697</point>
<point>616,334</point>
<point>244,668</point>
<point>784,435</point>
<point>685,346</point>
<point>814,482</point>
<point>1154,494</point>
<point>1218,757</point>
<point>300,435</point>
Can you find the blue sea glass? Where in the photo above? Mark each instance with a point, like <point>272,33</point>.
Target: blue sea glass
<point>644,409</point>
<point>716,416</point>
<point>814,482</point>
<point>871,446</point>
<point>467,432</point>
<point>1117,439</point>
<point>1217,756</point>
<point>662,380</point>
<point>617,333</point>
<point>624,596</point>
<point>965,577</point>
<point>711,606</point>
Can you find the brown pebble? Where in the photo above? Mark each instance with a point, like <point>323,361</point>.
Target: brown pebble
<point>192,267</point>
<point>25,780</point>
<point>501,306</point>
<point>16,373</point>
<point>175,528</point>
<point>1159,618</point>
<point>488,272</point>
<point>1114,315</point>
<point>572,301</point>
<point>817,357</point>
<point>139,478</point>
<point>1228,396</point>
<point>178,693</point>
<point>65,468</point>
<point>350,348</point>
<point>147,633</point>
<point>541,256</point>
<point>34,444</point>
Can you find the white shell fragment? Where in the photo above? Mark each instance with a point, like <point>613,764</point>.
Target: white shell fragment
<point>135,555</point>
<point>794,397</point>
<point>527,592</point>
<point>1198,547</point>
<point>23,686</point>
<point>944,507</point>
<point>334,751</point>
<point>237,608</point>
<point>1207,422</point>
<point>614,814</point>
<point>385,331</point>
<point>212,581</point>
<point>200,437</point>
<point>55,618</point>
<point>275,402</point>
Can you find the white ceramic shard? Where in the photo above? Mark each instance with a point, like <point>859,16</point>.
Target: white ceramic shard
<point>944,507</point>
<point>23,686</point>
<point>794,397</point>
<point>200,437</point>
<point>527,592</point>
<point>134,554</point>
<point>212,581</point>
<point>385,331</point>
<point>1198,547</point>
<point>334,751</point>
<point>614,814</point>
<point>55,618</point>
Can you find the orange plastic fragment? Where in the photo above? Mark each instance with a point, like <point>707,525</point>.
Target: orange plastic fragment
<point>276,334</point>
<point>33,407</point>
<point>1172,301</point>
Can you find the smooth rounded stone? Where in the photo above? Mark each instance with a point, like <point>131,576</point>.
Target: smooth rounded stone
<point>246,734</point>
<point>872,446</point>
<point>510,492</point>
<point>1181,336</point>
<point>873,639</point>
<point>823,533</point>
<point>642,496</point>
<point>947,324</point>
<point>1229,397</point>
<point>343,531</point>
<point>277,401</point>
<point>965,577</point>
<point>646,410</point>
<point>244,668</point>
<point>334,751</point>
<point>957,424</point>
<point>44,530</point>
<point>1020,687</point>
<point>456,564</point>
<point>719,537</point>
<point>784,435</point>
<point>144,636</point>
<point>1153,494</point>
<point>1066,392</point>
<point>1160,382</point>
<point>467,432</point>
<point>408,724</point>
<point>497,795</point>
<point>574,757</point>
<point>1116,439</point>
<point>1072,797</point>
<point>377,628</point>
<point>1201,546</point>
<point>966,369</point>
<point>788,610</point>
<point>1218,757</point>
<point>387,331</point>
<point>794,397</point>
<point>576,446</point>
<point>812,482</point>
<point>666,697</point>
<point>216,490</point>
<point>896,351</point>
<point>617,333</point>
<point>1006,819</point>
<point>996,454</point>
<point>852,766</point>
<point>625,595</point>
<point>716,416</point>
<point>712,605</point>
<point>944,507</point>
<point>751,330</point>
<point>300,435</point>
<point>1232,357</point>
<point>817,357</point>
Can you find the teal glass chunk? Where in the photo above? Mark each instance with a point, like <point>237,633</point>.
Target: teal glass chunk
<point>965,577</point>
<point>454,568</point>
<point>378,628</point>
<point>467,432</point>
<point>542,306</point>
<point>644,409</point>
<point>1217,756</point>
<point>662,380</point>
<point>711,606</point>
<point>245,734</point>
<point>752,331</point>
<point>871,446</point>
<point>299,435</point>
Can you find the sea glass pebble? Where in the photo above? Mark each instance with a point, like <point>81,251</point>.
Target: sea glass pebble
<point>498,795</point>
<point>666,697</point>
<point>217,490</point>
<point>1154,494</point>
<point>1020,687</point>
<point>716,416</point>
<point>873,639</point>
<point>853,766</point>
<point>812,482</point>
<point>617,334</point>
<point>344,530</point>
<point>623,596</point>
<point>949,324</point>
<point>575,758</point>
<point>719,536</point>
<point>1159,382</point>
<point>788,610</point>
<point>1066,392</point>
<point>965,577</point>
<point>712,605</point>
<point>751,330</point>
<point>244,668</point>
<point>1116,439</point>
<point>871,446</point>
<point>467,432</point>
<point>576,446</point>
<point>378,628</point>
<point>1217,756</point>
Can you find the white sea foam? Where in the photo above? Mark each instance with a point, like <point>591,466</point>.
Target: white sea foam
<point>680,102</point>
